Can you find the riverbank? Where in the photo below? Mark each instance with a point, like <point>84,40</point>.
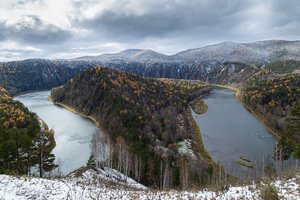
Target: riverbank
<point>203,151</point>
<point>27,92</point>
<point>74,111</point>
<point>202,148</point>
<point>199,106</point>
<point>258,116</point>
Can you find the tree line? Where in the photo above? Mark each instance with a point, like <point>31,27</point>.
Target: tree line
<point>25,141</point>
<point>278,100</point>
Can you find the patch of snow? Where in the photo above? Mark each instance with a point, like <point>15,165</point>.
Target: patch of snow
<point>92,186</point>
<point>185,148</point>
<point>114,176</point>
<point>296,71</point>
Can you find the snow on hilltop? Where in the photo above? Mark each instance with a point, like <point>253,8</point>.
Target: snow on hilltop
<point>129,55</point>
<point>259,53</point>
<point>99,185</point>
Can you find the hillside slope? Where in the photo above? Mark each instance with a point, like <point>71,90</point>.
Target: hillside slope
<point>225,63</point>
<point>32,74</point>
<point>257,53</point>
<point>93,185</point>
<point>277,99</point>
<point>22,138</point>
<point>284,66</point>
<point>129,55</point>
<point>149,117</point>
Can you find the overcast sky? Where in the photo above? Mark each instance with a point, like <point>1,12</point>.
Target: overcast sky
<point>71,28</point>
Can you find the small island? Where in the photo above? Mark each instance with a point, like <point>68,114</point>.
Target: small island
<point>199,106</point>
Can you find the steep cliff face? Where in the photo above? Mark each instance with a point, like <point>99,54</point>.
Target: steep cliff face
<point>215,72</point>
<point>39,74</point>
<point>33,74</point>
<point>150,116</point>
<point>225,63</point>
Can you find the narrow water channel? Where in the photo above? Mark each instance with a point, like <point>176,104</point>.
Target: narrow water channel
<point>230,131</point>
<point>73,132</point>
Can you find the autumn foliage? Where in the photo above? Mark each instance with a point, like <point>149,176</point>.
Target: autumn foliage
<point>20,138</point>
<point>150,115</point>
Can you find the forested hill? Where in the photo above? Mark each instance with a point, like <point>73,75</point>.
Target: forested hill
<point>278,100</point>
<point>33,74</point>
<point>41,74</point>
<point>22,138</point>
<point>149,117</point>
<point>225,63</point>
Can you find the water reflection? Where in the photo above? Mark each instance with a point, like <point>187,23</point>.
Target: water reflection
<point>73,133</point>
<point>230,131</point>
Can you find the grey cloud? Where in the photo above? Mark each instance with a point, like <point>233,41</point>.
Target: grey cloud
<point>19,51</point>
<point>285,12</point>
<point>12,54</point>
<point>168,25</point>
<point>169,17</point>
<point>33,32</point>
<point>39,33</point>
<point>23,2</point>
<point>3,30</point>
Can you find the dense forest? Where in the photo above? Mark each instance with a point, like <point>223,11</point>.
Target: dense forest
<point>33,74</point>
<point>277,99</point>
<point>151,133</point>
<point>41,74</point>
<point>284,66</point>
<point>25,141</point>
<point>213,72</point>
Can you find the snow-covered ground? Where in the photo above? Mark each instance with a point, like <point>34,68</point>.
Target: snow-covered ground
<point>185,148</point>
<point>101,185</point>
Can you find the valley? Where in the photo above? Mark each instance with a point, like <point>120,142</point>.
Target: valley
<point>142,104</point>
<point>160,100</point>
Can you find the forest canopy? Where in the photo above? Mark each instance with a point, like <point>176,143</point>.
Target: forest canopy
<point>25,141</point>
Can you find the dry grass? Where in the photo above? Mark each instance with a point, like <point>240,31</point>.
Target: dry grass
<point>269,192</point>
<point>199,106</point>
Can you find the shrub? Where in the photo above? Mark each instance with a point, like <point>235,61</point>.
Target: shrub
<point>269,192</point>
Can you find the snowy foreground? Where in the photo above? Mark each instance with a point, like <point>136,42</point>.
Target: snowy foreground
<point>110,184</point>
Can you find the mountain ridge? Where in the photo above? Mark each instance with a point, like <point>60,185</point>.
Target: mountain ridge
<point>224,63</point>
<point>216,52</point>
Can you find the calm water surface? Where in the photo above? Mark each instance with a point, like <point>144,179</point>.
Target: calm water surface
<point>73,133</point>
<point>229,130</point>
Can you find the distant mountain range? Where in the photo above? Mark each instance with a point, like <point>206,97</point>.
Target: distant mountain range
<point>259,53</point>
<point>225,63</point>
<point>129,55</point>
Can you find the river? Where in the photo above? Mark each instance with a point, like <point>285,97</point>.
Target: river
<point>230,131</point>
<point>73,132</point>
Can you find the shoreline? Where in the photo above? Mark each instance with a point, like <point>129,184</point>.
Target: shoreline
<point>257,115</point>
<point>74,111</point>
<point>204,152</point>
<point>28,92</point>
